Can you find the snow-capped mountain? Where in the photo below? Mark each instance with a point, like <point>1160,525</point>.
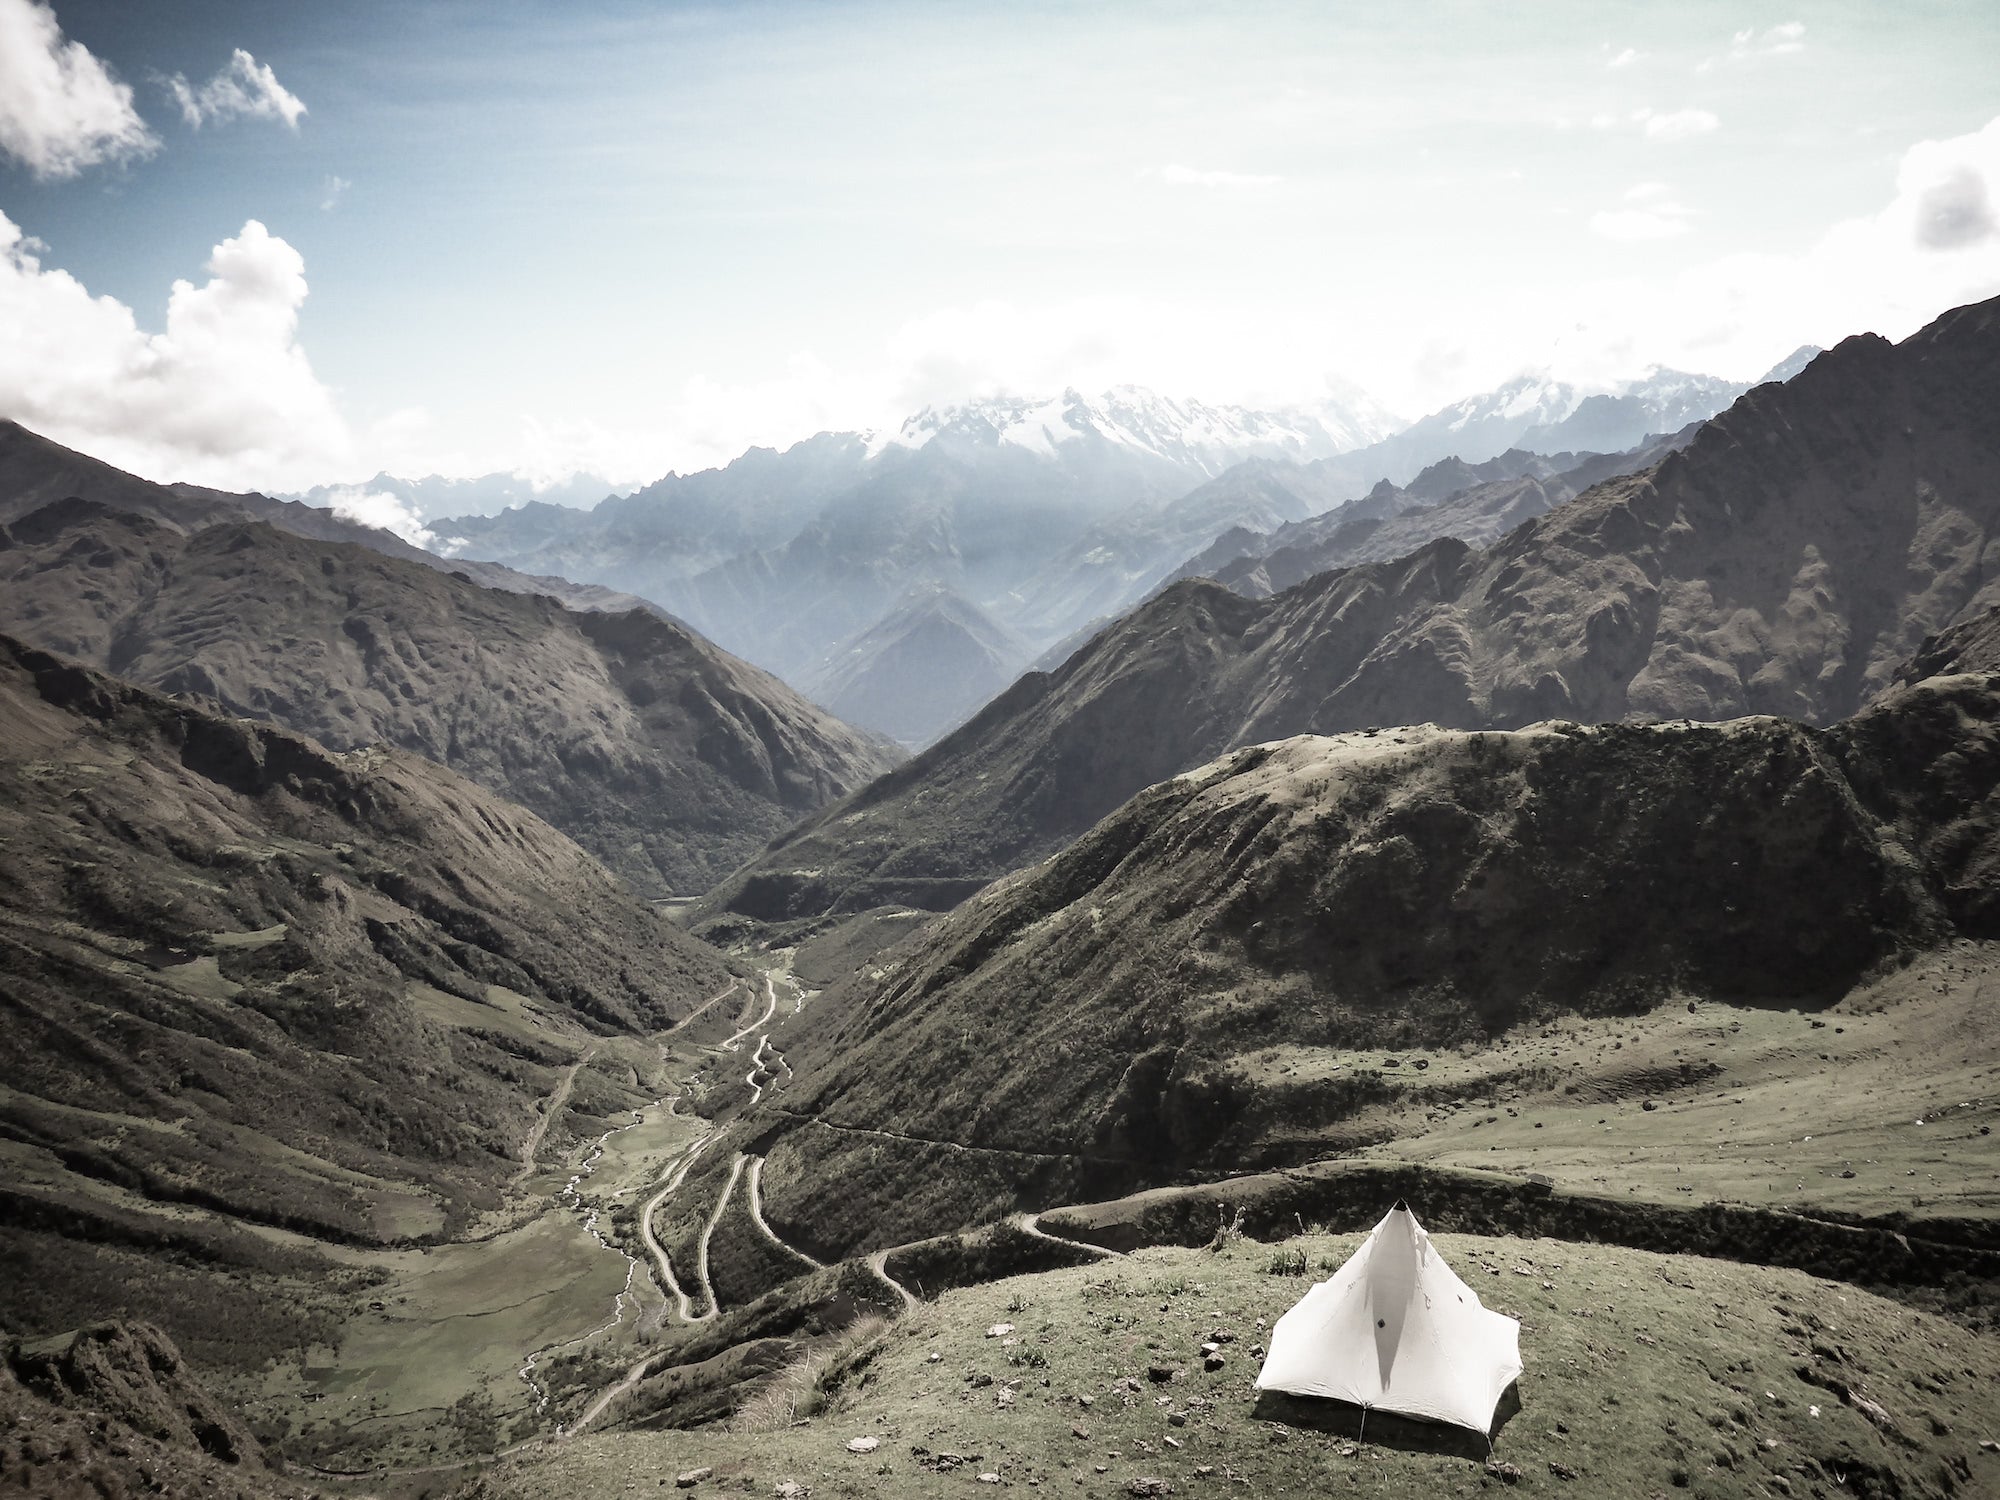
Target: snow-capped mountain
<point>1190,435</point>
<point>1546,415</point>
<point>781,555</point>
<point>1541,413</point>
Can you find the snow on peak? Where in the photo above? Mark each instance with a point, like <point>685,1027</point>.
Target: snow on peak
<point>1189,434</point>
<point>1539,398</point>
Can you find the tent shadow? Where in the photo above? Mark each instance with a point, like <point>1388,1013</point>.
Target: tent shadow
<point>1387,1429</point>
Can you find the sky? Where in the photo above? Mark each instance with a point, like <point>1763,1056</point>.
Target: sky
<point>272,246</point>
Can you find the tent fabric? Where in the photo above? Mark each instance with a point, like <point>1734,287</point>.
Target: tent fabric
<point>1394,1329</point>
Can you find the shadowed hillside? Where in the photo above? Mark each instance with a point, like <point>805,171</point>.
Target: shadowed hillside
<point>666,757</point>
<point>252,982</point>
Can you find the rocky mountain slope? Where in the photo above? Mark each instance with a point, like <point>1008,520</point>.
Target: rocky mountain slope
<point>1114,1008</point>
<point>923,670</point>
<point>1529,426</point>
<point>1787,561</point>
<point>666,757</point>
<point>117,1412</point>
<point>1123,558</point>
<point>262,996</point>
<point>1474,503</point>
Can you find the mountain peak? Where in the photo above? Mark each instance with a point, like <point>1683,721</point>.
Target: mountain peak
<point>1192,435</point>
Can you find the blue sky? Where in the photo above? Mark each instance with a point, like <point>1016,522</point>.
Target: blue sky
<point>629,237</point>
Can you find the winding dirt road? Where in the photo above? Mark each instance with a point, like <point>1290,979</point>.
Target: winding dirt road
<point>771,994</point>
<point>879,1264</point>
<point>675,1175</point>
<point>756,1191</point>
<point>1031,1225</point>
<point>708,1230</point>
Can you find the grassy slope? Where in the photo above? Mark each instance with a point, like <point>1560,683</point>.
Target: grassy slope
<point>1643,1373</point>
<point>265,1050</point>
<point>1128,1010</point>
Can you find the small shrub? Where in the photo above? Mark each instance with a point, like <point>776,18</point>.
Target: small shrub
<point>1287,1263</point>
<point>1227,1231</point>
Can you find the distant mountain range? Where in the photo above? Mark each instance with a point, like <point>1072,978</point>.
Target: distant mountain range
<point>1188,435</point>
<point>1042,515</point>
<point>1784,561</point>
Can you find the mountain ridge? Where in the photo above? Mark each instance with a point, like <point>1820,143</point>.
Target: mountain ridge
<point>1386,891</point>
<point>1741,574</point>
<point>669,758</point>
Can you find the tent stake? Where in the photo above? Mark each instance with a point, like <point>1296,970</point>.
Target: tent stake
<point>1364,1425</point>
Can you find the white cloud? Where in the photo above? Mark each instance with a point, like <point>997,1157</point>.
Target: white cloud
<point>1943,211</point>
<point>1632,225</point>
<point>1677,126</point>
<point>244,87</point>
<point>384,512</point>
<point>60,108</point>
<point>1624,59</point>
<point>1176,175</point>
<point>331,192</point>
<point>223,396</point>
<point>1935,245</point>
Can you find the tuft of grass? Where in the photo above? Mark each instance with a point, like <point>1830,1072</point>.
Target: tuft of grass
<point>1286,1263</point>
<point>810,1385</point>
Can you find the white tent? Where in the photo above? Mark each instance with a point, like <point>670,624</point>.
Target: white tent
<point>1394,1329</point>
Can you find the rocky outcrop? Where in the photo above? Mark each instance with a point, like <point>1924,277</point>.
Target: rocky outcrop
<point>133,1375</point>
<point>119,1413</point>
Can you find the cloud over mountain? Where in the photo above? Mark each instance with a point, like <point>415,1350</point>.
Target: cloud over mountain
<point>224,394</point>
